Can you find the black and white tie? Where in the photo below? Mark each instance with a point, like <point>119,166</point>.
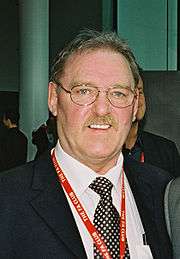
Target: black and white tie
<point>106,219</point>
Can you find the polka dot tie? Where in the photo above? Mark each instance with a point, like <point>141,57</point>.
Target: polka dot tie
<point>106,219</point>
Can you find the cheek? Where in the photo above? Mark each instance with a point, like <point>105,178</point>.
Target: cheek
<point>126,117</point>
<point>70,116</point>
<point>125,123</point>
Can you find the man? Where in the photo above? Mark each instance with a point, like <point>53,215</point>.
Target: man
<point>150,148</point>
<point>13,149</point>
<point>172,210</point>
<point>67,204</point>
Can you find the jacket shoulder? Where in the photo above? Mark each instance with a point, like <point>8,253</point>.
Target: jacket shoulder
<point>157,139</point>
<point>17,178</point>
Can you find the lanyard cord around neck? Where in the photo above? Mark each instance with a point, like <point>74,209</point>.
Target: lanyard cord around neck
<point>84,217</point>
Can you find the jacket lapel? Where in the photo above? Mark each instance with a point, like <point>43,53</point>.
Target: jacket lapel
<point>52,206</point>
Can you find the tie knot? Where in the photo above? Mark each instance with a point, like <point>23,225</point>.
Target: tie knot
<point>102,186</point>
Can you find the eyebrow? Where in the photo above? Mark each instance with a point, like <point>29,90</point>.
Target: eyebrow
<point>121,86</point>
<point>78,83</point>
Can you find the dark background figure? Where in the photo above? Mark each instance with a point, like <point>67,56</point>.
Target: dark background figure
<point>45,137</point>
<point>52,130</point>
<point>3,129</point>
<point>148,147</point>
<point>14,143</point>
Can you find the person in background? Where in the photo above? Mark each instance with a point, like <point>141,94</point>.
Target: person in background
<point>3,129</point>
<point>45,137</point>
<point>13,149</point>
<point>148,147</point>
<point>52,130</point>
<point>82,199</point>
<point>40,140</point>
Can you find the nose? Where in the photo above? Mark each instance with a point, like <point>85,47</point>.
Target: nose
<point>102,106</point>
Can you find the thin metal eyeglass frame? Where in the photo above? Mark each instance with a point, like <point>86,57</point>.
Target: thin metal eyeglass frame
<point>70,91</point>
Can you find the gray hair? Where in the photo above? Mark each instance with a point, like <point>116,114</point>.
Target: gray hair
<point>89,40</point>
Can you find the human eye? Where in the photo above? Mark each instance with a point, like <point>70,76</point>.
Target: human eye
<point>82,90</point>
<point>119,93</point>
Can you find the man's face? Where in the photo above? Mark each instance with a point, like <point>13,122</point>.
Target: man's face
<point>95,132</point>
<point>141,103</point>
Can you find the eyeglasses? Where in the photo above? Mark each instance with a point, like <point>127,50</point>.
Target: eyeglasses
<point>84,95</point>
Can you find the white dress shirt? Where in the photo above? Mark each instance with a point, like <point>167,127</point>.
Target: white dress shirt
<point>80,177</point>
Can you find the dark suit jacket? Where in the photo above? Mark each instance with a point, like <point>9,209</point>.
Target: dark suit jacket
<point>36,220</point>
<point>13,150</point>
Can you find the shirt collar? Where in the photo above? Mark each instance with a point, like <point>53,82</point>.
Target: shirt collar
<point>80,176</point>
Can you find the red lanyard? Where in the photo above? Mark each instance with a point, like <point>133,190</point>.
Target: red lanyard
<point>142,157</point>
<point>123,220</point>
<point>84,217</point>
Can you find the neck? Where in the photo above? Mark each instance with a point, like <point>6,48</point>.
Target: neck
<point>132,137</point>
<point>101,167</point>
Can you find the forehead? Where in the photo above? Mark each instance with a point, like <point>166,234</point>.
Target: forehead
<point>101,64</point>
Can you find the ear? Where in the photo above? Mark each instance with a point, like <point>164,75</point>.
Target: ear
<point>135,108</point>
<point>52,98</point>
